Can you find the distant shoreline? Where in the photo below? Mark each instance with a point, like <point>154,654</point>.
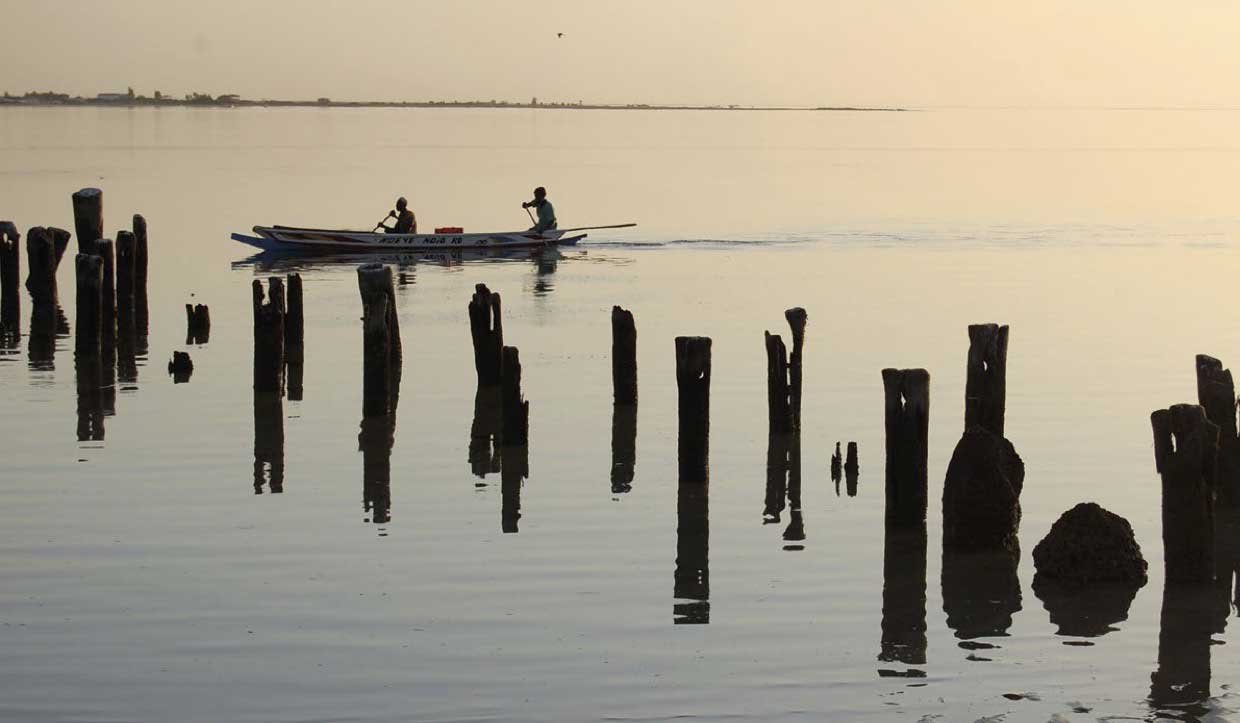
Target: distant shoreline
<point>228,101</point>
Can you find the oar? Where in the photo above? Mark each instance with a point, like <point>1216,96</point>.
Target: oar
<point>531,215</point>
<point>380,224</point>
<point>595,228</point>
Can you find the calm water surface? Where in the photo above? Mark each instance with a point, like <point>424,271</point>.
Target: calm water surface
<point>148,578</point>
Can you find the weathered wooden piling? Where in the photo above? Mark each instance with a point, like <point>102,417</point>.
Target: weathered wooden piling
<point>1185,455</point>
<point>837,467</point>
<point>773,503</point>
<point>693,357</point>
<point>41,266</point>
<point>181,367</point>
<point>907,424</point>
<point>487,329</point>
<point>294,322</point>
<point>106,250</point>
<point>623,356</point>
<point>198,324</point>
<point>852,469</point>
<point>796,317</point>
<point>268,443</point>
<point>268,337</point>
<point>381,347</point>
<point>515,408</point>
<point>377,436</point>
<point>794,533</point>
<point>141,306</point>
<point>623,447</point>
<point>779,410</point>
<point>985,391</point>
<point>90,321</point>
<point>10,279</point>
<point>126,248</point>
<point>88,218</point>
<point>1217,395</point>
<point>60,242</point>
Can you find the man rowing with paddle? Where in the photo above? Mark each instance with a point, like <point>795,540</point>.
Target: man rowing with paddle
<point>406,222</point>
<point>546,212</point>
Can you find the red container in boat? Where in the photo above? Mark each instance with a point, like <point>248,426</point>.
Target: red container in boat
<point>449,229</point>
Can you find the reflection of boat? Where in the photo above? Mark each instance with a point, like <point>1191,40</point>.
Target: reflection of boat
<point>287,238</point>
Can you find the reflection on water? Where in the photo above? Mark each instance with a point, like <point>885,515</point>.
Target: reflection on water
<point>515,468</point>
<point>484,433</point>
<point>268,442</point>
<point>377,436</point>
<point>783,487</point>
<point>1182,680</point>
<point>692,579</point>
<point>981,593</point>
<point>904,601</point>
<point>1087,611</point>
<point>623,447</point>
<point>47,326</point>
<point>88,370</point>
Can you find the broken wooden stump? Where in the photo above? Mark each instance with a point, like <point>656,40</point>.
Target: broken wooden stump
<point>10,279</point>
<point>1216,393</point>
<point>623,357</point>
<point>779,411</point>
<point>126,330</point>
<point>514,407</point>
<point>268,443</point>
<point>180,367</point>
<point>1185,455</point>
<point>141,309</point>
<point>106,250</point>
<point>41,264</point>
<point>693,357</point>
<point>268,336</point>
<point>907,424</point>
<point>198,324</point>
<point>981,493</point>
<point>985,391</point>
<point>796,322</point>
<point>487,330</point>
<point>381,346</point>
<point>837,468</point>
<point>88,218</point>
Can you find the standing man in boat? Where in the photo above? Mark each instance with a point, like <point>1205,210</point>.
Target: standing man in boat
<point>406,222</point>
<point>546,212</point>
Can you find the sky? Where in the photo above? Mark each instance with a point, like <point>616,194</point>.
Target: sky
<point>914,53</point>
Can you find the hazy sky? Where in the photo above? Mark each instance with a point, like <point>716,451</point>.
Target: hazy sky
<point>803,52</point>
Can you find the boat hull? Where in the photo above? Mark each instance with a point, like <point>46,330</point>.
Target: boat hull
<point>283,238</point>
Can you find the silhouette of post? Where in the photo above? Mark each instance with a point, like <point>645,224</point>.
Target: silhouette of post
<point>87,347</point>
<point>487,329</point>
<point>796,322</point>
<point>691,586</point>
<point>776,477</point>
<point>141,306</point>
<point>623,447</point>
<point>10,278</point>
<point>294,338</point>
<point>268,442</point>
<point>693,395</point>
<point>852,469</point>
<point>794,533</point>
<point>484,433</point>
<point>904,599</point>
<point>907,422</point>
<point>41,281</point>
<point>985,391</point>
<point>126,339</point>
<point>1182,680</point>
<point>1217,395</point>
<point>1185,454</point>
<point>515,468</point>
<point>198,324</point>
<point>105,249</point>
<point>377,436</point>
<point>623,357</point>
<point>779,411</point>
<point>268,337</point>
<point>88,218</point>
<point>515,409</point>
<point>381,346</point>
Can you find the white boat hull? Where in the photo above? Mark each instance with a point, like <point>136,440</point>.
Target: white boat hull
<point>284,238</point>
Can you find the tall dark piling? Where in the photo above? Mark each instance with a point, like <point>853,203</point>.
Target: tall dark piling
<point>1217,395</point>
<point>774,501</point>
<point>198,324</point>
<point>126,334</point>
<point>484,433</point>
<point>41,264</point>
<point>515,468</point>
<point>852,469</point>
<point>837,468</point>
<point>904,600</point>
<point>88,218</point>
<point>141,307</point>
<point>87,352</point>
<point>1185,454</point>
<point>268,442</point>
<point>268,337</point>
<point>693,403</point>
<point>907,423</point>
<point>106,250</point>
<point>376,439</point>
<point>623,447</point>
<point>796,322</point>
<point>779,410</point>
<point>515,408</point>
<point>985,390</point>
<point>487,329</point>
<point>294,338</point>
<point>623,356</point>
<point>10,279</point>
<point>381,345</point>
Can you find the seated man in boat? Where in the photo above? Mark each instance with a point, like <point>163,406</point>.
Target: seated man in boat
<point>546,212</point>
<point>406,222</point>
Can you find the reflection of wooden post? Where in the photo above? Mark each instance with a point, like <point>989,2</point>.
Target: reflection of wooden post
<point>10,275</point>
<point>691,583</point>
<point>1217,395</point>
<point>1185,454</point>
<point>1185,636</point>
<point>623,356</point>
<point>907,415</point>
<point>268,337</point>
<point>294,338</point>
<point>198,324</point>
<point>904,599</point>
<point>623,447</point>
<point>88,218</point>
<point>375,441</point>
<point>381,346</point>
<point>487,329</point>
<point>514,469</point>
<point>796,321</point>
<point>779,413</point>
<point>985,391</point>
<point>515,408</point>
<point>484,433</point>
<point>268,442</point>
<point>693,394</point>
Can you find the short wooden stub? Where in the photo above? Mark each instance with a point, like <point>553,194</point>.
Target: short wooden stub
<point>779,409</point>
<point>294,322</point>
<point>89,270</point>
<point>198,324</point>
<point>268,337</point>
<point>1185,455</point>
<point>515,408</point>
<point>10,278</point>
<point>693,363</point>
<point>1217,395</point>
<point>41,269</point>
<point>381,351</point>
<point>907,423</point>
<point>88,218</point>
<point>487,329</point>
<point>623,356</point>
<point>796,317</point>
<point>985,390</point>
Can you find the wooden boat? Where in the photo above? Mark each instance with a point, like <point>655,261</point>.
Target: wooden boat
<point>288,238</point>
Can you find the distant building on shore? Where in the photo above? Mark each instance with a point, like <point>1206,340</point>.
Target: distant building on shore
<point>112,98</point>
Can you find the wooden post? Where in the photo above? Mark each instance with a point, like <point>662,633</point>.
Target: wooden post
<point>41,270</point>
<point>623,447</point>
<point>10,279</point>
<point>60,242</point>
<point>198,324</point>
<point>837,468</point>
<point>268,443</point>
<point>88,218</point>
<point>796,317</point>
<point>268,337</point>
<point>907,415</point>
<point>141,307</point>
<point>294,323</point>
<point>779,411</point>
<point>105,249</point>
<point>623,356</point>
<point>985,391</point>
<point>487,329</point>
<point>1217,395</point>
<point>125,250</point>
<point>693,405</point>
<point>515,408</point>
<point>181,367</point>
<point>1185,455</point>
<point>89,305</point>
<point>852,470</point>
<point>776,477</point>
<point>380,340</point>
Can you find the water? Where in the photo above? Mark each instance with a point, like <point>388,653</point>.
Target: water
<point>146,580</point>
